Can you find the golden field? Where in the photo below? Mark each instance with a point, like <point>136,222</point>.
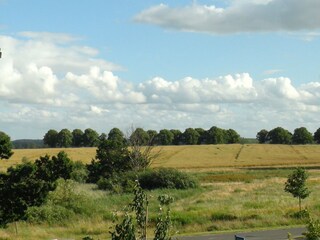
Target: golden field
<point>204,157</point>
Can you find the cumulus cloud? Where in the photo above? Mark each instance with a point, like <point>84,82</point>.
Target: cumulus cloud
<point>37,95</point>
<point>239,16</point>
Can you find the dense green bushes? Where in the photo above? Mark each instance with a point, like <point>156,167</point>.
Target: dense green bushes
<point>149,179</point>
<point>28,184</point>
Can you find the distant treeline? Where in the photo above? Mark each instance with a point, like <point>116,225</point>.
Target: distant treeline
<point>280,135</point>
<point>191,136</point>
<point>28,143</point>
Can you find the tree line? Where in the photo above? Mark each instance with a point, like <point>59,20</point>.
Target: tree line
<point>191,136</point>
<point>280,135</point>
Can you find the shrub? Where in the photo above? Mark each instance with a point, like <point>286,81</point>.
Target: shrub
<point>79,172</point>
<point>166,178</point>
<point>313,229</point>
<point>48,213</point>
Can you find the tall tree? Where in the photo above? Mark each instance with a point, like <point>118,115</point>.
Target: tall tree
<point>232,136</point>
<point>280,135</point>
<point>190,136</point>
<point>5,146</point>
<point>296,184</point>
<point>64,138</point>
<point>77,138</point>
<point>302,136</point>
<point>165,137</point>
<point>262,136</point>
<point>116,135</point>
<point>90,138</point>
<point>177,134</point>
<point>152,136</point>
<point>202,135</point>
<point>112,157</point>
<point>215,135</point>
<point>51,138</point>
<point>139,136</point>
<point>316,136</point>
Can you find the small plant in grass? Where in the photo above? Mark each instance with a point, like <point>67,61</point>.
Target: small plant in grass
<point>136,228</point>
<point>296,185</point>
<point>313,230</point>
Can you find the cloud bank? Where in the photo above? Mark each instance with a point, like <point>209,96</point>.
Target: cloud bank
<point>238,17</point>
<point>52,82</point>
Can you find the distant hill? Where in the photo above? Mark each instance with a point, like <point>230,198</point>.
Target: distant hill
<point>27,143</point>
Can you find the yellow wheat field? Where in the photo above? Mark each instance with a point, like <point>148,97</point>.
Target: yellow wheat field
<point>199,156</point>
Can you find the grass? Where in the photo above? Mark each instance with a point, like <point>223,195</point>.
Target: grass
<point>238,191</point>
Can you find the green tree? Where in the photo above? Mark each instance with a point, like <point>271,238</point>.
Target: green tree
<point>262,136</point>
<point>232,136</point>
<point>77,138</point>
<point>139,137</point>
<point>116,135</point>
<point>112,157</point>
<point>302,136</point>
<point>5,146</point>
<point>64,138</point>
<point>165,137</point>
<point>215,135</point>
<point>152,136</point>
<point>19,189</point>
<point>296,184</point>
<point>316,136</point>
<point>177,136</point>
<point>51,169</point>
<point>142,150</point>
<point>51,138</point>
<point>90,138</point>
<point>202,135</point>
<point>190,136</point>
<point>279,135</point>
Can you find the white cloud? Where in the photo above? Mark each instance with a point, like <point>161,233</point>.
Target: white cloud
<point>37,93</point>
<point>239,16</point>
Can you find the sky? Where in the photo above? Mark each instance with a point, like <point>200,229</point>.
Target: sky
<point>241,64</point>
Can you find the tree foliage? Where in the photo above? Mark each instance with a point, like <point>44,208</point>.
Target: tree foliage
<point>28,184</point>
<point>316,136</point>
<point>302,136</point>
<point>51,138</point>
<point>112,157</point>
<point>296,184</point>
<point>5,146</point>
<point>279,135</point>
<point>64,138</point>
<point>262,136</point>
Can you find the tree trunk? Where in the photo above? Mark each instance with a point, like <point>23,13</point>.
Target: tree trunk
<point>300,204</point>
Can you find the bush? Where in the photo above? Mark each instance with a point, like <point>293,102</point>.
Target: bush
<point>118,183</point>
<point>48,213</point>
<point>79,172</point>
<point>166,178</point>
<point>149,179</point>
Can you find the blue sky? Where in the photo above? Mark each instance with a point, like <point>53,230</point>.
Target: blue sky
<point>241,64</point>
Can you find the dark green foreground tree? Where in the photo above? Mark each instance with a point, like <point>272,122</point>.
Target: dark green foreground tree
<point>296,185</point>
<point>28,184</point>
<point>5,146</point>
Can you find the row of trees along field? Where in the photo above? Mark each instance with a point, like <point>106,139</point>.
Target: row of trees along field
<point>191,136</point>
<point>280,135</point>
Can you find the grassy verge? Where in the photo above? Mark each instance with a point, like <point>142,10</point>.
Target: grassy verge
<point>227,200</point>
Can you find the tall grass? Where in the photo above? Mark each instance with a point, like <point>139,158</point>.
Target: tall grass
<point>222,203</point>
